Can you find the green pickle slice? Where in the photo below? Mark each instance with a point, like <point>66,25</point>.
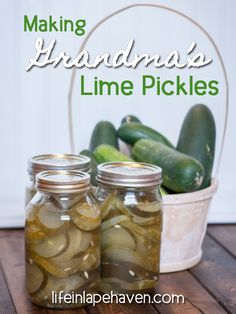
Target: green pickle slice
<point>117,284</point>
<point>115,221</point>
<point>116,254</point>
<point>108,205</point>
<point>85,216</point>
<point>71,283</point>
<point>50,220</point>
<point>34,278</point>
<point>117,236</point>
<point>51,245</point>
<point>33,232</point>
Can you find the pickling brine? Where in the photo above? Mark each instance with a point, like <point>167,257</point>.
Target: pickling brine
<point>131,211</point>
<point>62,239</point>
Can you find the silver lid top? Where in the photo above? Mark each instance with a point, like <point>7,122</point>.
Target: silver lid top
<point>57,181</point>
<point>47,162</point>
<point>129,174</point>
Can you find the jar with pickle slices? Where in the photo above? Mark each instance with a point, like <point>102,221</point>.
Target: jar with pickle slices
<point>62,240</point>
<point>131,211</point>
<point>48,162</point>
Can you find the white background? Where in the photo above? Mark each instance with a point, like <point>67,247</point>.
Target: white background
<point>33,110</point>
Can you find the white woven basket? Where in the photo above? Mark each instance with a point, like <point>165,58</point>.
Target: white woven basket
<point>185,215</point>
<point>184,228</point>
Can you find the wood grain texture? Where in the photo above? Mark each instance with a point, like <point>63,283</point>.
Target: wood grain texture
<point>225,235</point>
<point>217,273</point>
<point>209,287</point>
<point>6,304</point>
<point>197,299</point>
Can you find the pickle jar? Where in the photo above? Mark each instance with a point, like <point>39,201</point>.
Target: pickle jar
<point>131,211</point>
<point>62,240</point>
<point>48,162</point>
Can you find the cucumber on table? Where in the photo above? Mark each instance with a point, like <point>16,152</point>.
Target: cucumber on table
<point>197,139</point>
<point>181,173</point>
<point>130,118</point>
<point>133,131</point>
<point>103,133</point>
<point>107,153</point>
<point>93,163</point>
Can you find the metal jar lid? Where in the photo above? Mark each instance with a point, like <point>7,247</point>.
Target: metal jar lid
<point>65,162</point>
<point>129,174</point>
<point>57,181</point>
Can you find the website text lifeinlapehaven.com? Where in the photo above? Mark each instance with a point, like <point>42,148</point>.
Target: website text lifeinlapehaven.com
<point>95,298</point>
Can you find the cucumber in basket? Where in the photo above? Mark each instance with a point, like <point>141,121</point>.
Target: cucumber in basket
<point>197,138</point>
<point>130,118</point>
<point>107,153</point>
<point>94,164</point>
<point>181,173</point>
<point>103,133</point>
<point>132,132</point>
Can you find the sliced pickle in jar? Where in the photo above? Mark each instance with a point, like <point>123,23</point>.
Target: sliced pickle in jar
<point>35,278</point>
<point>73,247</point>
<point>121,254</point>
<point>133,227</point>
<point>67,285</point>
<point>145,210</point>
<point>143,221</point>
<point>65,268</point>
<point>108,205</point>
<point>150,231</point>
<point>86,241</point>
<point>117,236</point>
<point>128,286</point>
<point>33,232</point>
<point>51,220</point>
<point>114,270</point>
<point>85,216</point>
<point>115,221</point>
<point>139,271</point>
<point>144,244</point>
<point>51,245</point>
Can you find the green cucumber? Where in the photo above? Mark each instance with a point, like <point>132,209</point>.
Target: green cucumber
<point>130,118</point>
<point>103,133</point>
<point>163,191</point>
<point>133,131</point>
<point>93,164</point>
<point>181,173</point>
<point>197,139</point>
<point>107,153</point>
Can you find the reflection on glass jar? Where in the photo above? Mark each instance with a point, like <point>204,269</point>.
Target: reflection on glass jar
<point>62,239</point>
<point>49,162</point>
<point>131,210</point>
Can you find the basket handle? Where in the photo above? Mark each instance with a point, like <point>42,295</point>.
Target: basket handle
<point>90,33</point>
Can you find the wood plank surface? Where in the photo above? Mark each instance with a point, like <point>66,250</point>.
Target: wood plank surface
<point>197,299</point>
<point>209,287</point>
<point>225,235</point>
<point>6,304</point>
<point>217,273</point>
<point>114,308</point>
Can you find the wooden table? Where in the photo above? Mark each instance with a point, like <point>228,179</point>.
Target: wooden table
<point>209,287</point>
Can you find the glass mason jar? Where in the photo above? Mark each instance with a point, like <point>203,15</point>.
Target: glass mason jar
<point>62,240</point>
<point>48,162</point>
<point>131,210</point>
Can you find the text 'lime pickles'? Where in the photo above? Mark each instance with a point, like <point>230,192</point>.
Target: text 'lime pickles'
<point>150,85</point>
